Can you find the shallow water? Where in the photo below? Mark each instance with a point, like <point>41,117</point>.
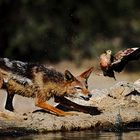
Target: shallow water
<point>81,135</point>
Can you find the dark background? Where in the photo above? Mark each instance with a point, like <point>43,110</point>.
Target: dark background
<point>54,30</point>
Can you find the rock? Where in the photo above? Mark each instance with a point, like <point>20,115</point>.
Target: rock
<point>121,89</point>
<point>119,106</point>
<point>137,85</point>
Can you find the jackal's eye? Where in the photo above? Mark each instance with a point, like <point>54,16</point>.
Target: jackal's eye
<point>77,87</point>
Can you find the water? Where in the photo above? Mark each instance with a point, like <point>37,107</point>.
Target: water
<point>81,135</point>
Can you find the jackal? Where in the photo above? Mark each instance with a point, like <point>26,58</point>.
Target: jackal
<point>41,82</point>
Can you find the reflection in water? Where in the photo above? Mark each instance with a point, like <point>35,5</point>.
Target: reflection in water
<point>119,136</point>
<point>82,135</point>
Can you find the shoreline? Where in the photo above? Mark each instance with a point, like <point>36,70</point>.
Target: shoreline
<point>120,112</point>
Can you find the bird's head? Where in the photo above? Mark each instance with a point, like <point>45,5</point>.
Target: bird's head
<point>108,52</point>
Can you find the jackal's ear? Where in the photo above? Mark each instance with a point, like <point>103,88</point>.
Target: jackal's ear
<point>87,73</point>
<point>68,76</point>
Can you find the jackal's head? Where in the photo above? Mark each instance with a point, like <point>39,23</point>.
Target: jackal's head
<point>77,87</point>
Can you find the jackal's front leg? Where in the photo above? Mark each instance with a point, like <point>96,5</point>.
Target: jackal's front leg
<point>44,105</point>
<point>9,102</point>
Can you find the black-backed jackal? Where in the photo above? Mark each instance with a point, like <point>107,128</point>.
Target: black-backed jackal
<point>42,83</point>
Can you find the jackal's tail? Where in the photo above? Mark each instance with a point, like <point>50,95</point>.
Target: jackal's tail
<point>13,66</point>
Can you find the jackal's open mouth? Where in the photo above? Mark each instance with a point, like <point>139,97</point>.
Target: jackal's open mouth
<point>81,97</point>
<point>85,98</point>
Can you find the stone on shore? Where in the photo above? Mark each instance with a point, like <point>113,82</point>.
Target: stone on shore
<point>120,106</point>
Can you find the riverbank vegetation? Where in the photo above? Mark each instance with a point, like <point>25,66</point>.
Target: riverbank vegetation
<point>51,30</point>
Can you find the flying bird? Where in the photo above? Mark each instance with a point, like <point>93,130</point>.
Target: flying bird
<point>110,63</point>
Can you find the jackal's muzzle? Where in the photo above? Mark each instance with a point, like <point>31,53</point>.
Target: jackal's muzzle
<point>86,97</point>
<point>82,96</point>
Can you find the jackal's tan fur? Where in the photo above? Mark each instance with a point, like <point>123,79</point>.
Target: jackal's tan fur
<point>41,83</point>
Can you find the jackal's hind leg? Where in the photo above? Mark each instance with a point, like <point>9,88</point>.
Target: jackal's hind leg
<point>9,102</point>
<point>44,105</point>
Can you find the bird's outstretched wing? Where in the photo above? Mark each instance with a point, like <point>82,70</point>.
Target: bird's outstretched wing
<point>123,57</point>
